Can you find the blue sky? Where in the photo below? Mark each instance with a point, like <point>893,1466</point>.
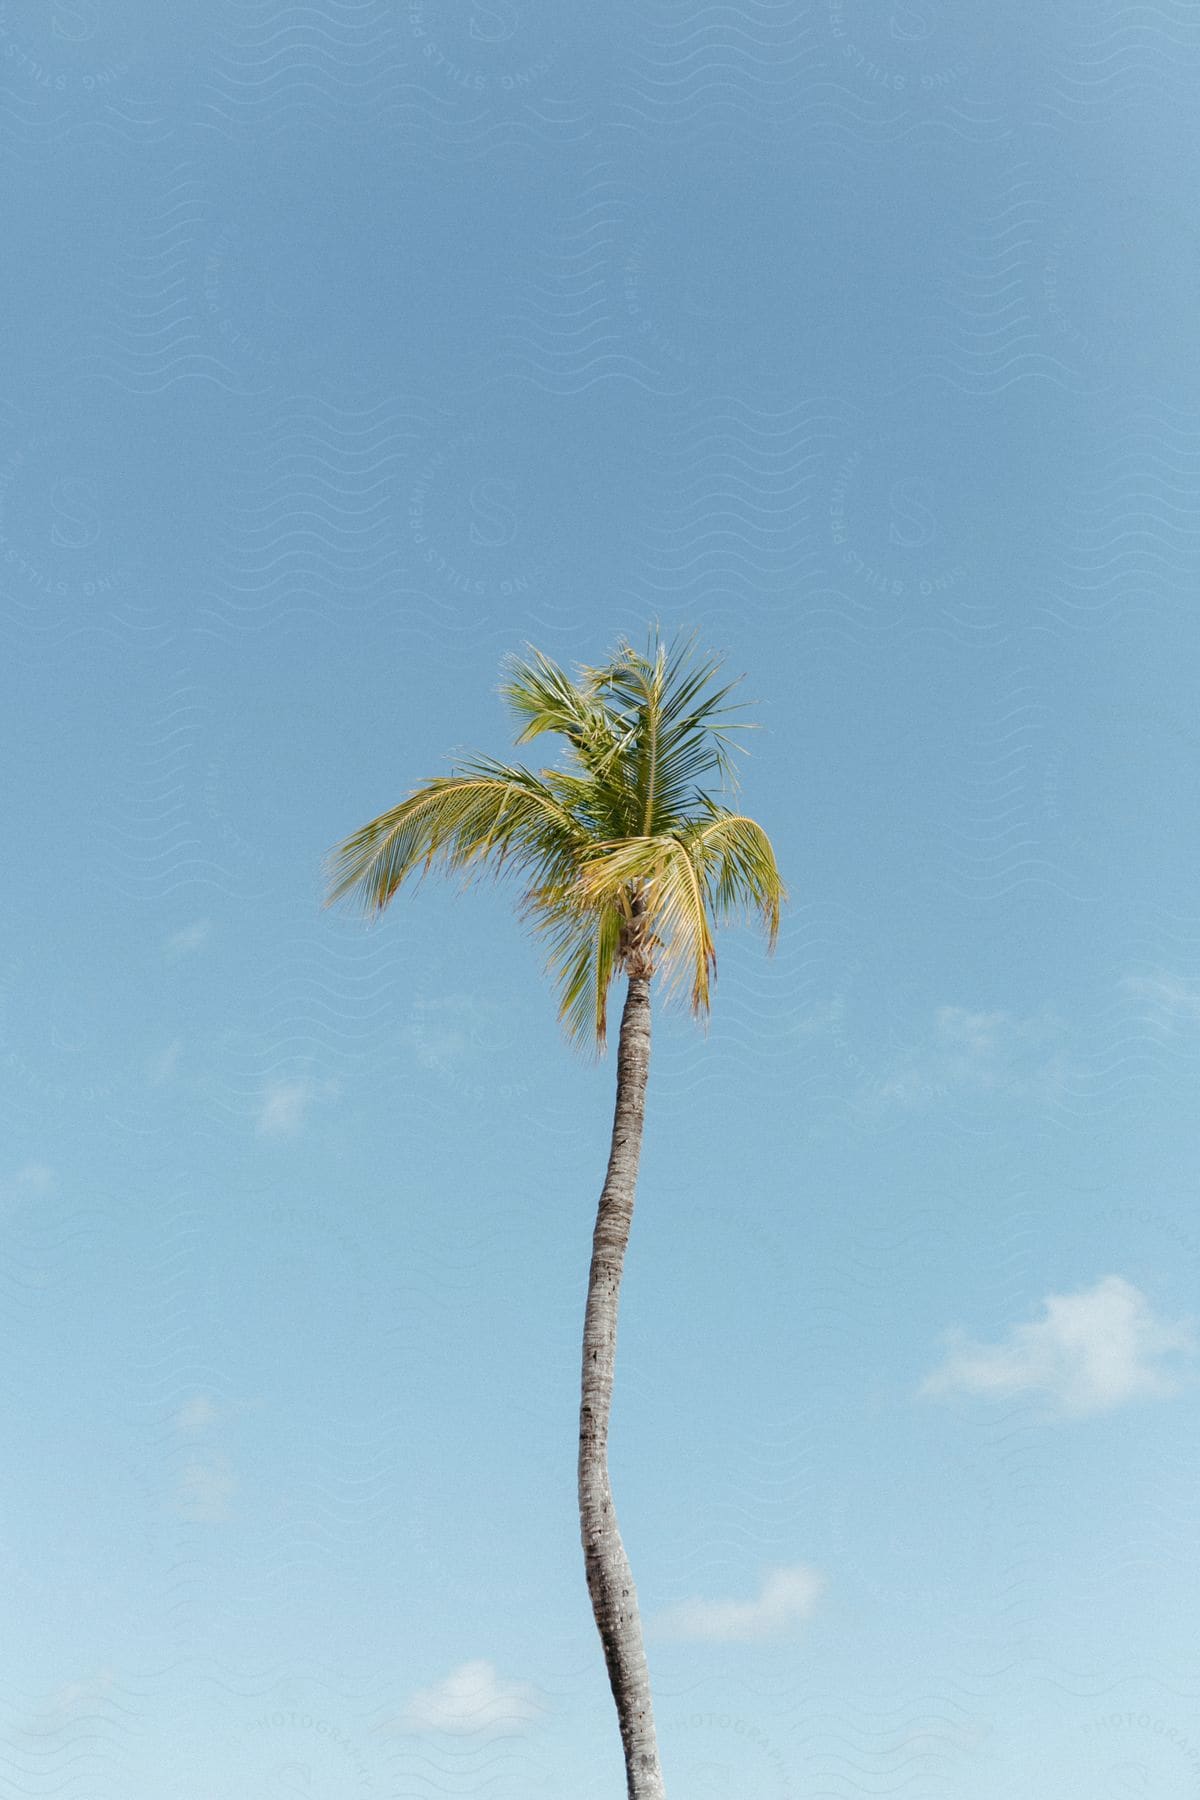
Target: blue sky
<point>349,347</point>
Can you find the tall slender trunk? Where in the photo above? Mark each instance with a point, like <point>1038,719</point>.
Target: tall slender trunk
<point>610,1582</point>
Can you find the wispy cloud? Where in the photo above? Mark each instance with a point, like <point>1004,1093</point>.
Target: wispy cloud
<point>189,939</point>
<point>36,1178</point>
<point>1089,1352</point>
<point>820,1019</point>
<point>164,1067</point>
<point>206,1483</point>
<point>473,1698</point>
<point>983,1052</point>
<point>445,1032</point>
<point>1169,1000</point>
<point>284,1105</point>
<point>784,1601</point>
<point>32,1181</point>
<point>198,1415</point>
<point>71,1705</point>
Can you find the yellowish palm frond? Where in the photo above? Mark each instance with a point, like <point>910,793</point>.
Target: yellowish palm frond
<point>677,728</point>
<point>545,699</point>
<point>485,815</point>
<point>663,878</point>
<point>741,874</point>
<point>583,961</point>
<point>626,860</point>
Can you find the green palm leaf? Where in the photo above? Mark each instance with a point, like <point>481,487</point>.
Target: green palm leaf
<point>626,861</point>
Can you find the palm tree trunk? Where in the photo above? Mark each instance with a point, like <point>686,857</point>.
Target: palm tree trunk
<point>610,1582</point>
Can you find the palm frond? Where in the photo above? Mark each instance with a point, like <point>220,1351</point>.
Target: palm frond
<point>583,960</point>
<point>626,859</point>
<point>485,813</point>
<point>677,728</point>
<point>544,698</point>
<point>668,881</point>
<point>741,874</point>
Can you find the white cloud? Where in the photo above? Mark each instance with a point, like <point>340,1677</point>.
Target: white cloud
<point>206,1488</point>
<point>197,1415</point>
<point>1170,1001</point>
<point>785,1600</point>
<point>207,1482</point>
<point>71,1704</point>
<point>284,1104</point>
<point>445,1032</point>
<point>472,1698</point>
<point>35,1178</point>
<point>820,1019</point>
<point>988,1052</point>
<point>1090,1351</point>
<point>191,938</point>
<point>977,1035</point>
<point>162,1068</point>
<point>33,1181</point>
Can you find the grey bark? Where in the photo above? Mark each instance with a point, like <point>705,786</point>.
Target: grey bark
<point>610,1582</point>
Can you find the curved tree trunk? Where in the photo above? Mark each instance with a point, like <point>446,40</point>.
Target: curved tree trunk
<point>610,1583</point>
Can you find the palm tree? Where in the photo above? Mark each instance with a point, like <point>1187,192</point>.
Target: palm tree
<point>627,867</point>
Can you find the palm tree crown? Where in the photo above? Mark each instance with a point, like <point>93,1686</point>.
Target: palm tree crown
<point>628,864</point>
